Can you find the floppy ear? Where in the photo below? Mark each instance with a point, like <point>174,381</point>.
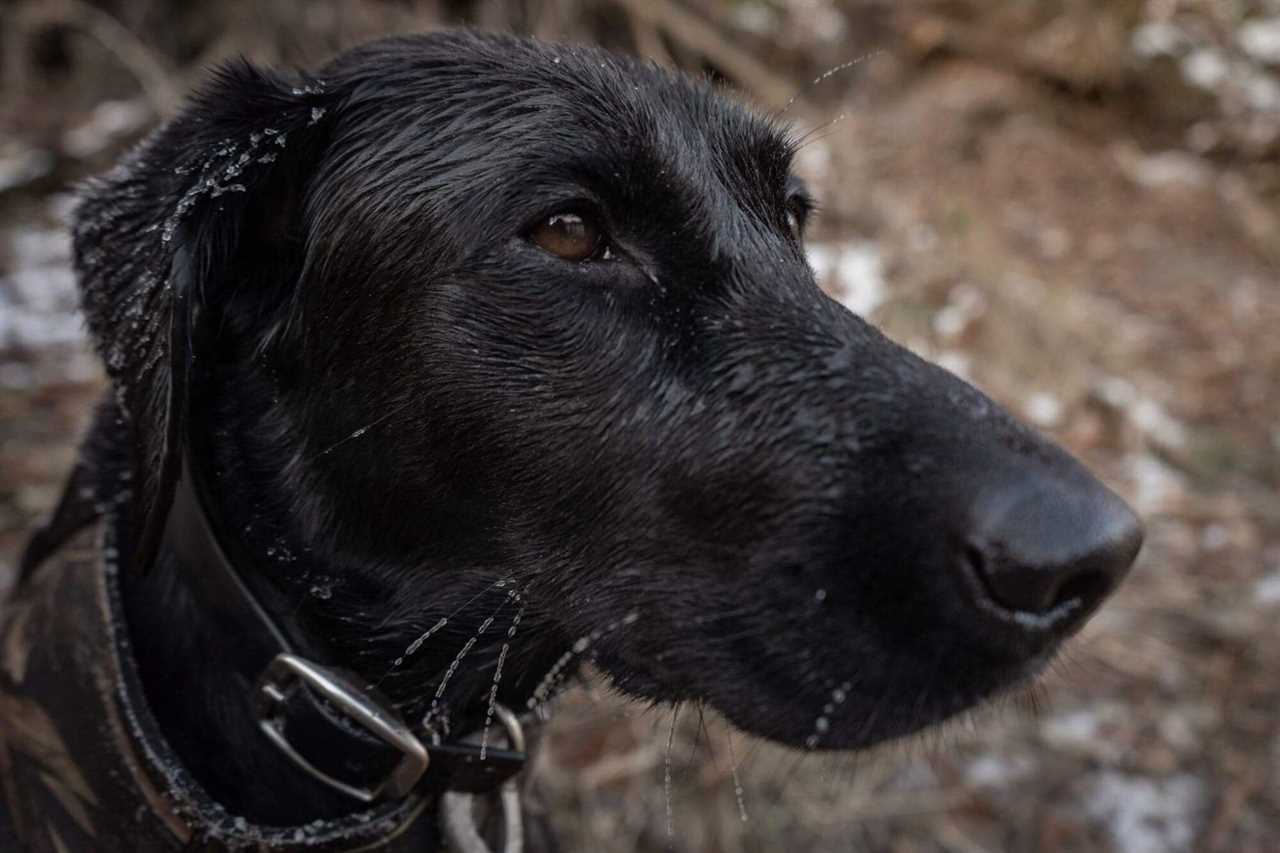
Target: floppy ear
<point>206,206</point>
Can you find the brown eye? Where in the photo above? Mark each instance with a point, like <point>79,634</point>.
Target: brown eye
<point>570,236</point>
<point>798,211</point>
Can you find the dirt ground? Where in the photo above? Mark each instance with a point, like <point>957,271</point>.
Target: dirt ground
<point>1071,219</point>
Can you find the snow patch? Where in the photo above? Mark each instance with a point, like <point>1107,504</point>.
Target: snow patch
<point>1146,414</point>
<point>1043,409</point>
<point>853,272</point>
<point>1266,592</point>
<point>20,166</point>
<point>1083,731</point>
<point>1206,67</point>
<point>38,299</point>
<point>1261,39</point>
<point>1158,38</point>
<point>1145,815</point>
<point>108,122</point>
<point>965,304</point>
<point>1150,417</point>
<point>1262,92</point>
<point>1157,487</point>
<point>999,771</point>
<point>1168,168</point>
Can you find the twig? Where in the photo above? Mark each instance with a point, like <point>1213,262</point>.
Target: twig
<point>649,41</point>
<point>149,70</point>
<point>702,37</point>
<point>13,68</point>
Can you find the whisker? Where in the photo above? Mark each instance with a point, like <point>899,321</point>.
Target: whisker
<point>830,72</point>
<point>666,779</point>
<point>737,779</point>
<point>422,638</point>
<point>820,133</point>
<point>497,680</point>
<point>364,429</point>
<point>544,688</point>
<point>433,713</point>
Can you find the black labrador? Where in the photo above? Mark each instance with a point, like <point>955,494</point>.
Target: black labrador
<point>494,329</point>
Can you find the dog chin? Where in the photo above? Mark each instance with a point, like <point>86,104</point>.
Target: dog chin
<point>854,735</point>
<point>790,723</point>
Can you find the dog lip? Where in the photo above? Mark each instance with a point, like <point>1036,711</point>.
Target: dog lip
<point>1051,621</point>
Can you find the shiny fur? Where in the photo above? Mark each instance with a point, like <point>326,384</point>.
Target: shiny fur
<point>738,491</point>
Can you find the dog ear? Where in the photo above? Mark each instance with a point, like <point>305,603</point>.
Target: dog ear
<point>163,240</point>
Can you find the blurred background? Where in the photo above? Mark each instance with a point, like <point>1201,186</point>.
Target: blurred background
<point>1073,203</point>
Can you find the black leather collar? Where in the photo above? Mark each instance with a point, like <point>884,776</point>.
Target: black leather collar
<point>85,767</point>
<point>334,727</point>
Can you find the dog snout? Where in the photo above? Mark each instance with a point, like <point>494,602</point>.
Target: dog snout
<point>1047,549</point>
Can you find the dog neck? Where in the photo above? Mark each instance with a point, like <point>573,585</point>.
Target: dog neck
<point>333,609</point>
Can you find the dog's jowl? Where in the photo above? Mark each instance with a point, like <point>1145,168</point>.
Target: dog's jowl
<point>464,361</point>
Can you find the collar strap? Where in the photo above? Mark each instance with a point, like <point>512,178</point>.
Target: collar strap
<point>332,726</point>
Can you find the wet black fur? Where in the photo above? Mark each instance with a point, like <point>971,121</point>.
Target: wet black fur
<point>409,402</point>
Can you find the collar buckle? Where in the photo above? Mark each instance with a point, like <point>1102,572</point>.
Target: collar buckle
<point>358,709</point>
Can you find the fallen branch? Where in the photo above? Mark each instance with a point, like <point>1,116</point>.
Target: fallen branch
<point>147,68</point>
<point>698,35</point>
<point>649,41</point>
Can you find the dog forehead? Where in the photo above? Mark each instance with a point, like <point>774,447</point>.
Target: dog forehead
<point>465,128</point>
<point>476,96</point>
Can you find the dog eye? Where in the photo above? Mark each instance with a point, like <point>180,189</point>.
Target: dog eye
<point>793,224</point>
<point>570,236</point>
<point>798,211</point>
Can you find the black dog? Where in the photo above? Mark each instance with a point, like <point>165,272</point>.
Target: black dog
<point>490,327</point>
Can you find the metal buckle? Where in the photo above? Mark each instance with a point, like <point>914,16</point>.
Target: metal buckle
<point>457,813</point>
<point>284,675</point>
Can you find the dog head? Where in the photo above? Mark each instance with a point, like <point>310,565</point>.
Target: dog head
<point>498,327</point>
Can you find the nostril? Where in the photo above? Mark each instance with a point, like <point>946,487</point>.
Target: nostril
<point>1039,589</point>
<point>1087,587</point>
<point>975,560</point>
<point>1011,583</point>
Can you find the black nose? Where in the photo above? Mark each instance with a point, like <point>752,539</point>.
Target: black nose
<point>1045,543</point>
